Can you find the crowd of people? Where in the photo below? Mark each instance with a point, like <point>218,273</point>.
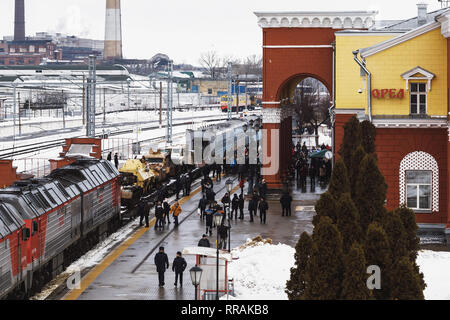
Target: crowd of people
<point>318,170</point>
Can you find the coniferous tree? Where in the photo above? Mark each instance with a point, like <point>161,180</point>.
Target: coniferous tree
<point>324,270</point>
<point>353,169</point>
<point>351,139</point>
<point>377,252</point>
<point>354,286</point>
<point>406,283</point>
<point>295,286</point>
<point>325,206</point>
<point>393,226</point>
<point>339,182</point>
<point>370,192</point>
<point>368,135</point>
<point>348,221</point>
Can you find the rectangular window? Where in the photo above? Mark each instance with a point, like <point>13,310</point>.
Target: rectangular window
<point>418,99</point>
<point>418,190</point>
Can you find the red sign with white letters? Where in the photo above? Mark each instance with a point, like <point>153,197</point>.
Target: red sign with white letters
<point>388,93</point>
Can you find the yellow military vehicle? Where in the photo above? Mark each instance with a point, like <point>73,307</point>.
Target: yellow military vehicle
<point>136,179</point>
<point>159,161</point>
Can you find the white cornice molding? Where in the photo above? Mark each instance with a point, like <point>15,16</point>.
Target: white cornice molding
<point>307,46</point>
<point>410,123</point>
<point>444,19</point>
<point>369,51</point>
<point>317,19</point>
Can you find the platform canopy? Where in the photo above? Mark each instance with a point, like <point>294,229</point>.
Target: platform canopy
<point>209,252</point>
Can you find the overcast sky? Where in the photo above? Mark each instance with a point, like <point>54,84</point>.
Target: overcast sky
<point>183,29</point>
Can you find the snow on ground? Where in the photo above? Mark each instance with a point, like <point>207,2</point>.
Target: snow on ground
<point>435,266</point>
<point>261,272</point>
<point>90,259</point>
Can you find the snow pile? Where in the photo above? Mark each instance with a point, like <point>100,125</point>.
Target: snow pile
<point>261,270</point>
<point>435,266</point>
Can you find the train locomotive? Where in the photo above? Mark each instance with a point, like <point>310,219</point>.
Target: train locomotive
<point>47,223</point>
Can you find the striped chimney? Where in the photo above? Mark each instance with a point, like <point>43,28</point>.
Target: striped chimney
<point>113,30</point>
<point>19,21</point>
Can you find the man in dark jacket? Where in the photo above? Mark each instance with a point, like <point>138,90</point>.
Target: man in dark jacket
<point>166,207</point>
<point>241,206</point>
<point>178,266</point>
<point>235,206</point>
<point>251,208</point>
<point>143,212</point>
<point>116,160</point>
<point>162,263</point>
<point>187,184</point>
<point>223,235</point>
<point>263,207</point>
<point>177,187</point>
<point>109,158</point>
<point>263,188</point>
<point>204,242</point>
<point>202,206</point>
<point>159,214</point>
<point>209,220</point>
<point>183,184</point>
<point>226,201</point>
<point>210,195</point>
<point>218,172</point>
<point>286,201</point>
<point>312,177</point>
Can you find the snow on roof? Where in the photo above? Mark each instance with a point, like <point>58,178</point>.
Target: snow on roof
<point>209,252</point>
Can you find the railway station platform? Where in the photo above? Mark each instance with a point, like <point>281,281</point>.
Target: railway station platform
<point>130,274</point>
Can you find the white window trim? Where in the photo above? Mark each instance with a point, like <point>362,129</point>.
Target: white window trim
<point>427,75</point>
<point>420,160</point>
<point>417,93</point>
<point>417,185</point>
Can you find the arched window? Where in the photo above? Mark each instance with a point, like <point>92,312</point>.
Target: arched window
<point>419,182</point>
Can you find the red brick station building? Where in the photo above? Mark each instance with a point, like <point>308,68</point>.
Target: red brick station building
<point>393,73</point>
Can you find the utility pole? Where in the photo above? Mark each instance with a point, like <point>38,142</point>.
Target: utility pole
<point>91,82</point>
<point>20,122</point>
<point>169,102</point>
<point>230,90</point>
<point>236,83</point>
<point>63,101</point>
<point>160,104</point>
<point>83,105</point>
<point>104,106</point>
<point>15,107</point>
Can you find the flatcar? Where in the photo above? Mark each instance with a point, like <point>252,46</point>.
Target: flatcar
<point>47,223</point>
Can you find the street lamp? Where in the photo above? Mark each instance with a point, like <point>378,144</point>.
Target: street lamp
<point>229,185</point>
<point>196,275</point>
<point>217,221</point>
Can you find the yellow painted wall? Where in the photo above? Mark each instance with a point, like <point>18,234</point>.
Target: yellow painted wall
<point>348,79</point>
<point>428,51</point>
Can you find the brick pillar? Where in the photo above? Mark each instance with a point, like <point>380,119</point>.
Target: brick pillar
<point>272,126</point>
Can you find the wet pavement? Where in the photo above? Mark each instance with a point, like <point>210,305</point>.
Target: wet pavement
<point>133,276</point>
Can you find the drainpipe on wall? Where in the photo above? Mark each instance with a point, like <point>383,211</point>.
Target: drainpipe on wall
<point>369,82</point>
<point>333,101</point>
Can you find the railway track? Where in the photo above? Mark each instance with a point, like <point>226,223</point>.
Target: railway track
<point>39,146</point>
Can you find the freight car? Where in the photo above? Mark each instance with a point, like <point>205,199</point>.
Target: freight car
<point>47,223</point>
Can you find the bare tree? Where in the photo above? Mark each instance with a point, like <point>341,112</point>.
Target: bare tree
<point>311,104</point>
<point>211,62</point>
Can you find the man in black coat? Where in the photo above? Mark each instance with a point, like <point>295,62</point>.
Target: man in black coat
<point>251,208</point>
<point>204,242</point>
<point>218,172</point>
<point>109,158</point>
<point>162,263</point>
<point>312,177</point>
<point>263,188</point>
<point>263,207</point>
<point>202,206</point>
<point>209,220</point>
<point>116,160</point>
<point>286,201</point>
<point>166,207</point>
<point>226,202</point>
<point>177,187</point>
<point>187,184</point>
<point>223,235</point>
<point>235,206</point>
<point>178,266</point>
<point>159,214</point>
<point>143,212</point>
<point>241,206</point>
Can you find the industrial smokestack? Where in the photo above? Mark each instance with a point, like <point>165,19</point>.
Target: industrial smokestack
<point>113,30</point>
<point>19,21</point>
